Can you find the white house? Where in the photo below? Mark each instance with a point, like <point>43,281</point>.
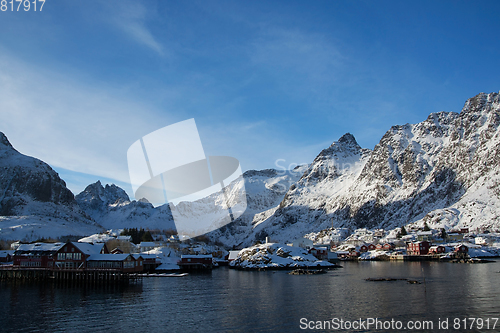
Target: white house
<point>125,238</point>
<point>482,240</point>
<point>146,246</point>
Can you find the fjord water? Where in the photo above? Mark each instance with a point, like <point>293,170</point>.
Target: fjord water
<point>272,301</point>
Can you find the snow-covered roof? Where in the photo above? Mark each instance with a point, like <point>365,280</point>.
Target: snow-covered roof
<point>144,256</point>
<point>147,244</point>
<point>108,257</point>
<point>88,248</point>
<point>40,247</point>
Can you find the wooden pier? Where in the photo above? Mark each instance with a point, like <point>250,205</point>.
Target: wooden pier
<point>78,275</point>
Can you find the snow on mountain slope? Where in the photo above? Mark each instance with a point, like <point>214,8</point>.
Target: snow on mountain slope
<point>34,201</point>
<point>111,207</point>
<point>444,170</point>
<point>264,191</point>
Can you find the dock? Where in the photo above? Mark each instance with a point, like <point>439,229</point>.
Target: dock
<point>90,276</point>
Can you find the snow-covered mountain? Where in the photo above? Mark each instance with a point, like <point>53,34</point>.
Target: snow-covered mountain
<point>265,190</point>
<point>34,201</point>
<point>111,207</point>
<point>444,170</point>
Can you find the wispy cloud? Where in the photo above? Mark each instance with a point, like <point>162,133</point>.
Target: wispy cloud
<point>69,123</point>
<point>131,17</point>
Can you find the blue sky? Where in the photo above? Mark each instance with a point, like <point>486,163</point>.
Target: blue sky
<point>264,80</point>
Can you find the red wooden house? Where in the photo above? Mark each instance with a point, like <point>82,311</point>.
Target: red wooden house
<point>372,247</point>
<point>418,248</point>
<point>196,261</point>
<point>363,248</point>
<point>389,246</point>
<point>437,249</point>
<point>6,255</point>
<point>36,255</point>
<point>74,255</point>
<point>125,262</point>
<point>319,252</point>
<point>149,261</point>
<point>461,249</point>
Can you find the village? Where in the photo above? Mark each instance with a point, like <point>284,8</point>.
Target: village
<point>114,257</point>
<point>416,244</point>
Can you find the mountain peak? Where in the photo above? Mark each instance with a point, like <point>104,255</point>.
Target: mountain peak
<point>480,102</point>
<point>4,142</point>
<point>106,195</point>
<point>348,139</point>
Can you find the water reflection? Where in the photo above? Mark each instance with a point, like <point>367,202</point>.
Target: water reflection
<point>237,301</point>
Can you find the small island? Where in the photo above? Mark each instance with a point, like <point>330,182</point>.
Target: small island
<point>277,256</point>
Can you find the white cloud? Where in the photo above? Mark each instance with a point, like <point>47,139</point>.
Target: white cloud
<point>130,17</point>
<point>70,124</point>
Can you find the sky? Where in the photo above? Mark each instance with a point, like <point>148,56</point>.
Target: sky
<point>271,83</point>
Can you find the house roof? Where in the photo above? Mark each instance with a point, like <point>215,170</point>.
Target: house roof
<point>36,247</point>
<point>88,248</point>
<point>146,244</point>
<point>192,256</point>
<point>144,256</point>
<point>108,257</point>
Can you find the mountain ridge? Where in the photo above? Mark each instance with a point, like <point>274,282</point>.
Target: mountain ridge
<point>443,171</point>
<point>414,174</point>
<point>35,201</point>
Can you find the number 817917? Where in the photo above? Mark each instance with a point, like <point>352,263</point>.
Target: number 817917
<point>20,5</point>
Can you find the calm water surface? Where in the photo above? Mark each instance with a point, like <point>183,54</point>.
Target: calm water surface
<point>236,301</point>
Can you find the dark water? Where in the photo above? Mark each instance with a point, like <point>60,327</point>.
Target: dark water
<point>235,301</point>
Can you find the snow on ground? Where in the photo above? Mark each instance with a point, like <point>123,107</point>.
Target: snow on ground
<point>475,253</point>
<point>167,256</point>
<point>275,255</point>
<point>374,255</point>
<point>33,227</point>
<point>96,238</point>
